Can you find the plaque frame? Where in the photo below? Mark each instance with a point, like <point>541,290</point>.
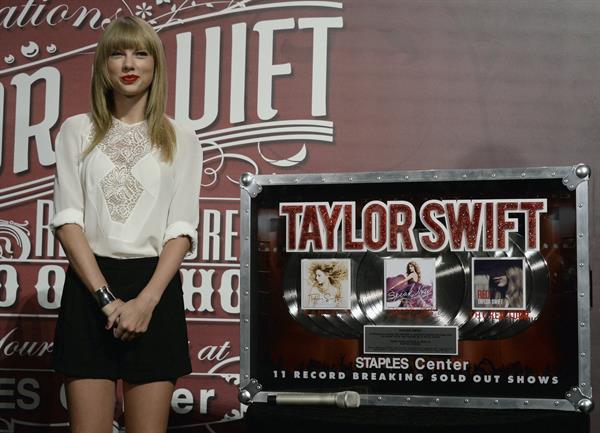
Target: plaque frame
<point>574,178</point>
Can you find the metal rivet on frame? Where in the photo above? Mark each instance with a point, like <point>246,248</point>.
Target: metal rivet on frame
<point>565,181</point>
<point>556,403</point>
<point>464,176</point>
<point>379,398</point>
<point>583,384</point>
<point>493,174</point>
<point>553,173</point>
<point>496,401</point>
<point>245,210</point>
<point>466,401</point>
<point>246,293</point>
<point>259,387</point>
<point>437,400</point>
<point>406,177</point>
<point>568,395</point>
<point>581,265</point>
<point>582,354</point>
<point>246,349</point>
<point>580,235</point>
<point>526,402</point>
<point>246,321</point>
<point>350,178</point>
<point>378,177</point>
<point>571,186</point>
<point>246,265</point>
<point>580,205</point>
<point>297,180</point>
<point>435,176</point>
<point>323,180</point>
<point>523,175</point>
<point>407,398</point>
<point>246,376</point>
<point>582,324</point>
<point>581,295</point>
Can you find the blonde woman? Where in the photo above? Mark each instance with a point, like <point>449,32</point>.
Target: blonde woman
<point>126,211</point>
<point>510,286</point>
<point>326,281</point>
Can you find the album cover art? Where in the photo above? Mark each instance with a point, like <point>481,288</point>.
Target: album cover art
<point>498,283</point>
<point>325,284</point>
<point>409,284</point>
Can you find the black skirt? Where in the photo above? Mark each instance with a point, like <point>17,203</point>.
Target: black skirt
<point>83,348</point>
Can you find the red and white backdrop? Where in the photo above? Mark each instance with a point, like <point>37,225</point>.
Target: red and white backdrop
<point>277,87</point>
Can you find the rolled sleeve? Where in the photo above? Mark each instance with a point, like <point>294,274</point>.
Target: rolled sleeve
<point>183,214</point>
<point>182,228</point>
<point>68,191</point>
<point>67,216</point>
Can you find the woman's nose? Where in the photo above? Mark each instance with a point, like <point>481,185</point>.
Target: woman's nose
<point>128,61</point>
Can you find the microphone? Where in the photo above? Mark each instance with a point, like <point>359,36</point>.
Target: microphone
<point>344,399</point>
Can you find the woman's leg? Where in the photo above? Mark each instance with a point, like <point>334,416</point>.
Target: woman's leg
<point>91,405</point>
<point>147,406</point>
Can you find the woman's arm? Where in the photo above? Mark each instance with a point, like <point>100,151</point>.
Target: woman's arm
<point>68,220</point>
<point>134,316</point>
<point>82,259</point>
<point>413,276</point>
<point>402,281</point>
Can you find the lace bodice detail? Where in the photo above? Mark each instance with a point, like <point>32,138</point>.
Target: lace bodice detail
<point>125,145</point>
<point>125,197</point>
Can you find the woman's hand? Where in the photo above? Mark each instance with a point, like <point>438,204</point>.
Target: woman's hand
<point>132,318</point>
<point>501,281</point>
<point>109,311</point>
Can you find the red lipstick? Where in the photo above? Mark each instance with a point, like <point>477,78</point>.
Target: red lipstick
<point>129,79</point>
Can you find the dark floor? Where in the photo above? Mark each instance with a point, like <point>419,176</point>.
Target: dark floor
<point>315,419</point>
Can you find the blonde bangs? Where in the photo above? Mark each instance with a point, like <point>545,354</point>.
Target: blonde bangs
<point>126,36</point>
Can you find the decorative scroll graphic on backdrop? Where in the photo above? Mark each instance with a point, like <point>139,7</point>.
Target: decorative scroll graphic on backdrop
<point>277,131</point>
<point>14,237</point>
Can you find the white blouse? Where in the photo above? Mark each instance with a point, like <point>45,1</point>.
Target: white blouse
<point>127,200</point>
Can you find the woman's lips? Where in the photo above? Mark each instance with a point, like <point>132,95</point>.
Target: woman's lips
<point>129,79</point>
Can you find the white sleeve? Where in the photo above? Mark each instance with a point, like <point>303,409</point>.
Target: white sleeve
<point>68,192</point>
<point>182,219</point>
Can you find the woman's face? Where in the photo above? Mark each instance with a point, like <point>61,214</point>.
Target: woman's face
<point>130,71</point>
<point>411,268</point>
<point>320,276</point>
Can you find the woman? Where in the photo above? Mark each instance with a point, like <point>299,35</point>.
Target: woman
<point>510,285</point>
<point>326,284</point>
<point>413,275</point>
<point>126,212</point>
<point>408,289</point>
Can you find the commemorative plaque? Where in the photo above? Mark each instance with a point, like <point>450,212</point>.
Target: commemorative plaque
<point>448,288</point>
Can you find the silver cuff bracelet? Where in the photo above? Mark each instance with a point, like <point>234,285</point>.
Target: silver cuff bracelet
<point>103,296</point>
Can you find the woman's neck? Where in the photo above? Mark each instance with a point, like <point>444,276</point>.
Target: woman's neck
<point>130,109</point>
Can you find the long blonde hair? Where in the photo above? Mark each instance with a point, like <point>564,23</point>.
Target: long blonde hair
<point>132,33</point>
<point>336,273</point>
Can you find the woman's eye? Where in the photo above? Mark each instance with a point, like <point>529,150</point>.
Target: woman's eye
<point>141,53</point>
<point>116,53</point>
